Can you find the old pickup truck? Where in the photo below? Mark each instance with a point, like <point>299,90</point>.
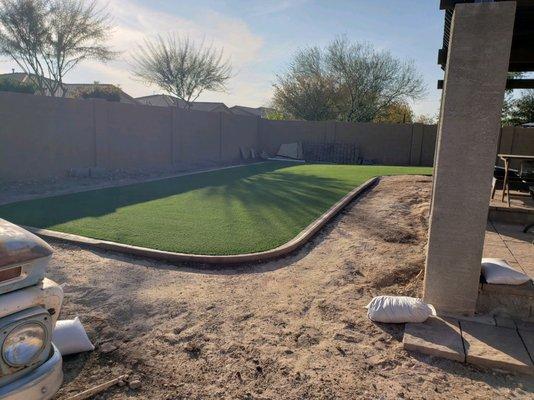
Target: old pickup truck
<point>30,364</point>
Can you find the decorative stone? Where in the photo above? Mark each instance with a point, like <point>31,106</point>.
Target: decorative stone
<point>107,347</point>
<point>436,337</point>
<point>135,384</point>
<point>495,347</point>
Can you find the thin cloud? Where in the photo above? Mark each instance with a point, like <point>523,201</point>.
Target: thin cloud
<point>134,23</point>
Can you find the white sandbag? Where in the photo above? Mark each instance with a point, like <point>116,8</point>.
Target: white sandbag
<point>398,309</point>
<point>70,337</point>
<point>499,272</point>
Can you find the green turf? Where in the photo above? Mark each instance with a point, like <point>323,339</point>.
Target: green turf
<point>230,211</point>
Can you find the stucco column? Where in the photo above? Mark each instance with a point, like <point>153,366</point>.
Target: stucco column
<point>475,80</point>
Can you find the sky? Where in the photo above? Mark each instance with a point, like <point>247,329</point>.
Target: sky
<point>260,37</point>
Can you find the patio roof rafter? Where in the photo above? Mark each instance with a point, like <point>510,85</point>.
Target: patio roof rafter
<point>522,52</point>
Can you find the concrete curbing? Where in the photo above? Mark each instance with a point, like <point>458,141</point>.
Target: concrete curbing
<point>298,241</point>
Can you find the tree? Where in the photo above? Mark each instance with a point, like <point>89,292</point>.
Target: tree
<point>345,81</point>
<point>396,113</point>
<point>508,101</point>
<point>181,68</point>
<point>13,85</point>
<point>275,115</point>
<point>97,91</point>
<point>426,119</point>
<point>520,111</point>
<point>306,90</point>
<point>48,38</point>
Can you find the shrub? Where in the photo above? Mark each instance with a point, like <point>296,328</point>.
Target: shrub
<point>108,92</point>
<point>13,85</point>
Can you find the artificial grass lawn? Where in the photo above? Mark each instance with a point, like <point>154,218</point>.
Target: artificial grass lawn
<point>231,211</point>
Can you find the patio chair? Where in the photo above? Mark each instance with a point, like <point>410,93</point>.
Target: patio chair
<point>514,180</point>
<point>529,226</point>
<point>526,172</point>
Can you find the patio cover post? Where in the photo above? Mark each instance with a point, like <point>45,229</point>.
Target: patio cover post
<point>473,93</point>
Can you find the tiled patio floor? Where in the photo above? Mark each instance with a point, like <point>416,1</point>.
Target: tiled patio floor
<point>488,340</point>
<point>507,241</point>
<point>517,200</point>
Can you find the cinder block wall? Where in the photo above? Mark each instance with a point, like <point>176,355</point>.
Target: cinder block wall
<point>41,137</point>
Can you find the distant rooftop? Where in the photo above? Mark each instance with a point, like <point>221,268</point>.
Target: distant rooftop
<point>71,88</point>
<point>251,111</point>
<point>163,100</point>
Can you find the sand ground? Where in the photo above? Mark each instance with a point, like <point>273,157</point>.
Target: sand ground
<point>294,328</point>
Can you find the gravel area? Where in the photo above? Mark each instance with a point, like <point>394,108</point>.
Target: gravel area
<point>294,328</point>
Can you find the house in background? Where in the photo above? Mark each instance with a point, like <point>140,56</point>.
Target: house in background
<point>71,88</point>
<point>251,111</point>
<point>163,100</point>
<point>159,100</point>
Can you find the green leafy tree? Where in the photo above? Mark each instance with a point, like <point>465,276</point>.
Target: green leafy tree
<point>396,113</point>
<point>426,119</point>
<point>11,85</point>
<point>345,81</point>
<point>97,91</point>
<point>519,111</point>
<point>276,115</point>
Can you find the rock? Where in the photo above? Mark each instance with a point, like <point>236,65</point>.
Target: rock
<point>107,347</point>
<point>135,384</point>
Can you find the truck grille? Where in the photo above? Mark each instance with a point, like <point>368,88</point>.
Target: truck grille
<point>10,273</point>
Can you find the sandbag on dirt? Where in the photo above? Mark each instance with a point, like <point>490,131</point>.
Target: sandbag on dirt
<point>398,309</point>
<point>70,338</point>
<point>499,272</point>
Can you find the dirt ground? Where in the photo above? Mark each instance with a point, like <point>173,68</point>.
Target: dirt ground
<point>294,328</point>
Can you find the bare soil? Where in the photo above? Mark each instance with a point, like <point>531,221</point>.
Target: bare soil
<point>294,328</point>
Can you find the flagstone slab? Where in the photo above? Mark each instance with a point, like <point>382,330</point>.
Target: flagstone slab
<point>525,325</point>
<point>436,337</point>
<point>495,347</point>
<point>505,322</point>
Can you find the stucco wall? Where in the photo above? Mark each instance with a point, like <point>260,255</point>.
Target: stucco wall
<point>132,136</point>
<point>42,137</point>
<point>197,137</point>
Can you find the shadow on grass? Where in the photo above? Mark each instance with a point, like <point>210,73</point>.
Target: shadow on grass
<point>55,210</point>
<point>233,211</point>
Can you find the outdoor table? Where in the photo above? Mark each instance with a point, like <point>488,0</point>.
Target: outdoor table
<point>506,159</point>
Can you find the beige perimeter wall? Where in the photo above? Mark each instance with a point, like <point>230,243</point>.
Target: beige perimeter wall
<point>42,137</point>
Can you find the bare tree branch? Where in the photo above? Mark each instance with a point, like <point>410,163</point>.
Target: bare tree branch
<point>48,38</point>
<point>181,68</point>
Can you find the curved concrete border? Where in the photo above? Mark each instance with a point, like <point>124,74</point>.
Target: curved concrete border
<point>173,257</point>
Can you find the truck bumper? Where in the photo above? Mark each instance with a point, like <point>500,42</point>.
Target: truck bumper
<point>40,384</point>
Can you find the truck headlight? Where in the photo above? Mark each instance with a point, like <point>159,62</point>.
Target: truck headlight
<point>24,344</point>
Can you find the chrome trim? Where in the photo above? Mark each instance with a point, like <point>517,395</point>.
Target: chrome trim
<point>40,384</point>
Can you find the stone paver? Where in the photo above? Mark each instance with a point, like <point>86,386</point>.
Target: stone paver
<point>495,347</point>
<point>437,337</point>
<point>524,254</point>
<point>508,242</point>
<point>525,325</point>
<point>504,322</point>
<point>528,340</point>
